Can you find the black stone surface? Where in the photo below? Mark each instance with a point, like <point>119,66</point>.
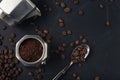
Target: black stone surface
<point>104,41</point>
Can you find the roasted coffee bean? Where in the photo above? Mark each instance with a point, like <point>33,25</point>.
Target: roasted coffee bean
<point>57,3</point>
<point>97,78</point>
<point>1,37</point>
<point>78,78</point>
<point>69,32</point>
<point>107,23</point>
<point>11,40</point>
<point>62,4</point>
<point>64,44</point>
<point>13,43</point>
<point>81,12</point>
<point>10,51</point>
<point>60,20</point>
<point>46,31</point>
<point>77,42</point>
<point>12,35</point>
<point>101,5</point>
<point>61,24</point>
<point>49,9</point>
<point>72,44</point>
<point>74,75</point>
<point>64,33</point>
<point>4,27</point>
<point>84,40</point>
<point>75,1</point>
<point>30,73</point>
<point>67,10</point>
<point>81,37</point>
<point>62,56</point>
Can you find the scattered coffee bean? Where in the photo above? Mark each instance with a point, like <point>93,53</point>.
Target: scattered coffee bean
<point>97,78</point>
<point>62,56</point>
<point>67,10</point>
<point>75,1</point>
<point>74,75</point>
<point>11,40</point>
<point>64,33</point>
<point>30,73</point>
<point>4,27</point>
<point>64,44</point>
<point>60,20</point>
<point>57,3</point>
<point>81,37</point>
<point>81,12</point>
<point>78,78</point>
<point>77,42</point>
<point>12,35</point>
<point>49,9</point>
<point>1,37</point>
<point>107,23</point>
<point>61,24</point>
<point>62,4</point>
<point>69,32</point>
<point>101,5</point>
<point>46,31</point>
<point>72,44</point>
<point>84,40</point>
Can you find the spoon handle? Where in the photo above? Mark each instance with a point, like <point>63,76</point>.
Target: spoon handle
<point>62,72</point>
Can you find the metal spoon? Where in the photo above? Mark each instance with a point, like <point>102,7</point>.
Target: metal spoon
<point>62,72</point>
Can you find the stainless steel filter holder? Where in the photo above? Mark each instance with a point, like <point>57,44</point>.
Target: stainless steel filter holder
<point>42,59</point>
<point>15,11</point>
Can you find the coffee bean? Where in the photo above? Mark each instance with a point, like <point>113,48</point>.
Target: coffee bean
<point>78,78</point>
<point>75,1</point>
<point>84,40</point>
<point>107,23</point>
<point>64,33</point>
<point>64,44</point>
<point>60,20</point>
<point>101,5</point>
<point>49,9</point>
<point>12,35</point>
<point>81,37</point>
<point>30,73</point>
<point>11,40</point>
<point>74,75</point>
<point>67,10</point>
<point>77,42</point>
<point>62,4</point>
<point>57,3</point>
<point>72,44</point>
<point>1,37</point>
<point>97,78</point>
<point>62,56</point>
<point>4,27</point>
<point>81,12</point>
<point>61,24</point>
<point>46,31</point>
<point>13,43</point>
<point>10,51</point>
<point>69,32</point>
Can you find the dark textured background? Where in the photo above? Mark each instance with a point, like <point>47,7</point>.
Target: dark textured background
<point>104,41</point>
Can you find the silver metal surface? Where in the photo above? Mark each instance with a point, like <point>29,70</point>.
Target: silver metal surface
<point>62,72</point>
<point>42,59</point>
<point>15,11</point>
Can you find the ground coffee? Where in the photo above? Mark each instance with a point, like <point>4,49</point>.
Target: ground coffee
<point>31,50</point>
